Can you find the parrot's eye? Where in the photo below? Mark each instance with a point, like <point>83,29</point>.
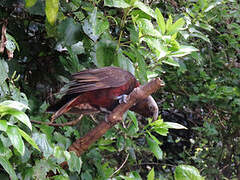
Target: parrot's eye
<point>151,108</point>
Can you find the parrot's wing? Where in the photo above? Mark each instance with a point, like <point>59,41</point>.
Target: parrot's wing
<point>102,78</point>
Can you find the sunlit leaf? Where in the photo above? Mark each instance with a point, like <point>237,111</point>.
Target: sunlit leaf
<point>8,168</point>
<point>160,21</point>
<point>16,138</point>
<point>3,125</point>
<point>28,139</point>
<point>176,26</point>
<point>14,104</point>
<point>151,175</point>
<point>30,3</point>
<point>144,8</point>
<point>43,144</point>
<point>51,10</point>
<point>173,125</point>
<point>116,3</point>
<point>183,51</point>
<point>4,71</point>
<point>186,172</point>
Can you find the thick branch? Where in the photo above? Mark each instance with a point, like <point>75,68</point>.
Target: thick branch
<point>142,92</point>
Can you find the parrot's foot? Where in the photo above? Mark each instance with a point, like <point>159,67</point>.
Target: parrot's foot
<point>122,99</point>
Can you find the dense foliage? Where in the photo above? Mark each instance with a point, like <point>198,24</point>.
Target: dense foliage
<point>192,45</point>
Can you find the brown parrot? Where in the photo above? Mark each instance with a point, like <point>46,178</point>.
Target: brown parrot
<point>101,89</point>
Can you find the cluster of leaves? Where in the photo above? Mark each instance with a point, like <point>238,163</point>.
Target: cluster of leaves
<point>193,46</point>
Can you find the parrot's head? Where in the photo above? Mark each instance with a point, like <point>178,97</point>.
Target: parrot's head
<point>147,108</point>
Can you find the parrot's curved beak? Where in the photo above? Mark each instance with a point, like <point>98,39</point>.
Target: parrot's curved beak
<point>154,107</point>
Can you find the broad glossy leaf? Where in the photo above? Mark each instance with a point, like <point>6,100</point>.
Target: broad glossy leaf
<point>173,125</point>
<point>30,3</point>
<point>15,104</point>
<point>16,138</point>
<point>116,3</point>
<point>28,139</point>
<point>8,168</point>
<point>69,31</point>
<point>157,47</point>
<point>4,71</point>
<point>186,172</point>
<point>123,62</point>
<point>106,52</point>
<point>146,28</point>
<point>43,144</point>
<point>74,163</point>
<point>154,138</point>
<point>51,10</point>
<point>144,8</point>
<point>21,116</point>
<point>12,39</point>
<point>183,51</point>
<point>176,26</point>
<point>201,35</point>
<point>102,25</point>
<point>42,167</point>
<point>3,125</point>
<point>171,62</point>
<point>154,147</point>
<point>151,175</point>
<point>160,21</point>
<point>163,131</point>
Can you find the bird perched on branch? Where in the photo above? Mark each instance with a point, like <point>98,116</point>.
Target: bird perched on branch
<point>101,89</point>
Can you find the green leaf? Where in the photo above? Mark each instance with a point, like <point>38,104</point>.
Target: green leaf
<point>51,10</point>
<point>173,125</point>
<point>13,43</point>
<point>163,131</point>
<point>21,116</point>
<point>146,28</point>
<point>123,62</point>
<point>154,147</point>
<point>69,31</point>
<point>75,163</point>
<point>186,172</point>
<point>4,71</point>
<point>116,3</point>
<point>30,3</point>
<point>176,26</point>
<point>169,23</point>
<point>106,52</point>
<point>160,21</point>
<point>15,105</point>
<point>154,138</point>
<point>8,168</point>
<point>43,144</point>
<point>151,175</point>
<point>171,61</point>
<point>3,125</point>
<point>133,118</point>
<point>16,138</point>
<point>183,51</point>
<point>42,167</point>
<point>28,139</point>
<point>144,8</point>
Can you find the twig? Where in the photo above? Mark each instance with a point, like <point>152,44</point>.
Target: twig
<point>71,123</point>
<point>124,162</point>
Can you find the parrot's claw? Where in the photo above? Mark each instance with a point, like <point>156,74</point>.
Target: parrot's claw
<point>122,99</point>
